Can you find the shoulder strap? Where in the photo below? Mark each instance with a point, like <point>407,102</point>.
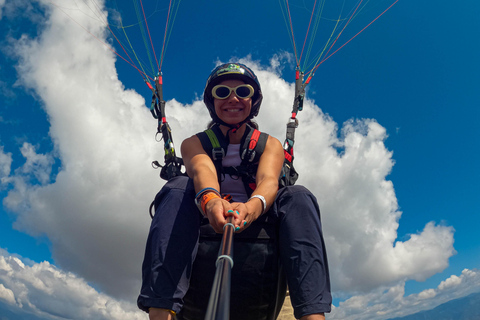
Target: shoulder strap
<point>253,145</point>
<point>213,142</point>
<point>215,145</point>
<point>218,153</point>
<point>206,143</point>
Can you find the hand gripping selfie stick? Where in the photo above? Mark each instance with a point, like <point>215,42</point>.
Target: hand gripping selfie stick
<point>219,303</point>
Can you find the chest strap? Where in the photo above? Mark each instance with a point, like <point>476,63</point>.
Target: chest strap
<point>252,146</point>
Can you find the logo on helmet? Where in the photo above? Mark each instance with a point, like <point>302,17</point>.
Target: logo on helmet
<point>231,68</point>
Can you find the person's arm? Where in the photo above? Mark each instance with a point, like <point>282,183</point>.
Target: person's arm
<point>268,173</point>
<point>202,170</point>
<point>199,165</point>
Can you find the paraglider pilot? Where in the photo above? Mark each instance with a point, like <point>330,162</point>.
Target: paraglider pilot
<point>233,97</point>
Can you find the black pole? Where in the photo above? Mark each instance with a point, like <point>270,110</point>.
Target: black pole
<point>219,303</point>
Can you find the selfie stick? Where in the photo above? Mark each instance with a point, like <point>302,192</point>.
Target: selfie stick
<point>219,303</point>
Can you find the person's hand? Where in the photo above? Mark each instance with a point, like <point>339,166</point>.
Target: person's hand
<point>246,214</point>
<point>240,214</point>
<point>217,210</point>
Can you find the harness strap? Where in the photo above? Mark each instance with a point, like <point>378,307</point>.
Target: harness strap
<point>252,146</point>
<point>248,153</point>
<point>218,153</point>
<point>254,139</point>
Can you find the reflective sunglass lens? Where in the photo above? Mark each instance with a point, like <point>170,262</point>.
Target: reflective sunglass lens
<point>242,92</point>
<point>222,92</point>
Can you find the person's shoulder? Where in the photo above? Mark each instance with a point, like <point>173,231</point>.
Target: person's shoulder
<point>273,145</point>
<point>274,142</point>
<point>191,141</point>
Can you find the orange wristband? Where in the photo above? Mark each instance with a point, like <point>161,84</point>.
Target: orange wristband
<point>207,196</point>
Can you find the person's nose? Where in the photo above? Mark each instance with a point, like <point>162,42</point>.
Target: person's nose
<point>233,97</point>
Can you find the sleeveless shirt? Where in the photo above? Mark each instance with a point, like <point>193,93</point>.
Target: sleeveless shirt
<point>233,185</point>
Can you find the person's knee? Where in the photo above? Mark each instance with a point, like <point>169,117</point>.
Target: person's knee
<point>297,200</point>
<point>179,182</point>
<point>295,192</point>
<point>182,183</point>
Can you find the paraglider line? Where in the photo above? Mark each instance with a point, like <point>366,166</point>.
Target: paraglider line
<point>318,65</point>
<point>346,24</point>
<point>165,35</point>
<point>293,36</point>
<point>108,47</point>
<point>148,30</point>
<point>308,29</point>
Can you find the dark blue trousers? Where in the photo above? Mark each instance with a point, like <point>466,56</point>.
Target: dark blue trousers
<point>173,241</point>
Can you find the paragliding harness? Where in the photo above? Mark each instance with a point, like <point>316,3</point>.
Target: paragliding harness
<point>173,164</point>
<point>252,146</point>
<point>253,142</point>
<point>289,175</point>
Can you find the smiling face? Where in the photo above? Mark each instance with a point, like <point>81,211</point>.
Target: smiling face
<point>232,110</point>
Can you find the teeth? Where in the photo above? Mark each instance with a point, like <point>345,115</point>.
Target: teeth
<point>233,110</point>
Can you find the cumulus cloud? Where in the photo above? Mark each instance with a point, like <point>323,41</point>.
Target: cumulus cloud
<point>97,206</point>
<point>7,294</point>
<point>46,292</point>
<point>43,290</point>
<point>5,167</point>
<point>386,303</point>
<point>19,9</point>
<point>39,166</point>
<point>95,210</point>
<point>2,4</point>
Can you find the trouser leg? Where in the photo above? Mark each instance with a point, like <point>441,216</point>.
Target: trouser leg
<point>302,250</point>
<point>171,247</point>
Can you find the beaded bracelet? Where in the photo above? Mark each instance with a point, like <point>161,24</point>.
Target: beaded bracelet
<point>261,199</point>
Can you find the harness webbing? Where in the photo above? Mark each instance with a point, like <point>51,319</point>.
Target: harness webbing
<point>173,164</point>
<point>289,174</point>
<point>213,138</point>
<point>249,153</point>
<point>252,146</point>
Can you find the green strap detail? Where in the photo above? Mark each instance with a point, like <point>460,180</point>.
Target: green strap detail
<point>213,138</point>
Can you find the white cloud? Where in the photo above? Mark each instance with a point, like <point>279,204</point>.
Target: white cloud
<point>7,294</point>
<point>19,9</point>
<point>450,283</point>
<point>386,303</point>
<point>5,167</point>
<point>45,291</point>
<point>48,292</point>
<point>427,294</point>
<point>95,212</point>
<point>2,4</point>
<point>37,165</point>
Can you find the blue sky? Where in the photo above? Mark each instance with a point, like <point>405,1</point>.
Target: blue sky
<point>389,141</point>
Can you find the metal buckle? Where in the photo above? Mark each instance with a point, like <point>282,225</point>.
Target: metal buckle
<point>251,154</point>
<point>218,154</point>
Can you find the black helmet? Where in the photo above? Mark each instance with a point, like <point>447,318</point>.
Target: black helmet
<point>235,71</point>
